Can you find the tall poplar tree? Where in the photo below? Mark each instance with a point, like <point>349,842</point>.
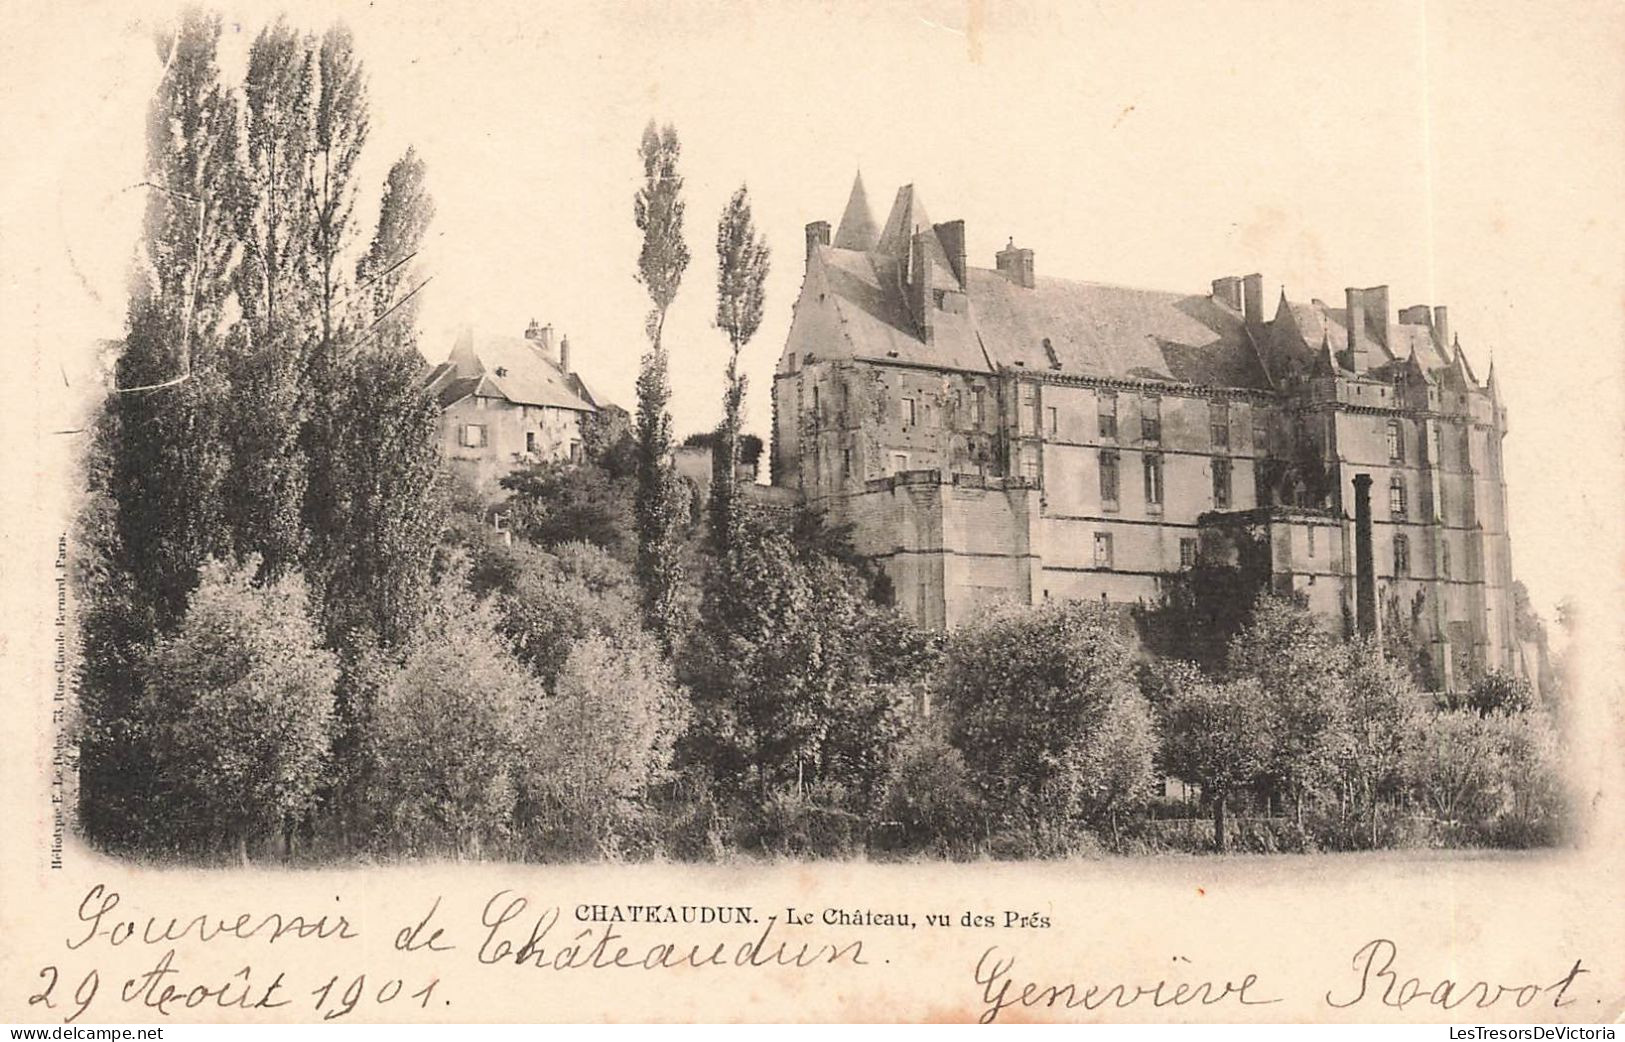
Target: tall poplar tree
<point>156,465</point>
<point>386,513</point>
<point>742,265</point>
<point>658,210</point>
<point>276,291</point>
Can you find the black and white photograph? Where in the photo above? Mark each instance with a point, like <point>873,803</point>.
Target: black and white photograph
<point>936,511</point>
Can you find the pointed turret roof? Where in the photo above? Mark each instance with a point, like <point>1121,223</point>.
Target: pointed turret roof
<point>907,217</point>
<point>857,228</point>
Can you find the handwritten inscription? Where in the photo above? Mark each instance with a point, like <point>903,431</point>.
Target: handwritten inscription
<point>1000,991</point>
<point>1380,982</point>
<point>116,959</point>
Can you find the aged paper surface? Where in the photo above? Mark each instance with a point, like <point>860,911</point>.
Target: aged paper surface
<point>1467,153</point>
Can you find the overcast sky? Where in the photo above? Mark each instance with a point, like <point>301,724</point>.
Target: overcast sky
<point>1470,155</point>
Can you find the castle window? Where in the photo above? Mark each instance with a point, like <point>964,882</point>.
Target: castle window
<point>1219,424</point>
<point>1187,553</point>
<point>1151,420</point>
<point>846,464</point>
<point>899,462</point>
<point>1029,408</point>
<point>1396,496</point>
<point>1444,559</point>
<point>1402,555</point>
<point>1107,406</point>
<point>1396,442</point>
<point>1438,444</point>
<point>1054,420</point>
<point>1153,479</point>
<point>474,435</point>
<point>1221,483</point>
<point>1311,540</point>
<point>908,412</point>
<point>1103,550</point>
<point>1108,480</point>
<point>1261,439</point>
<point>1029,468</point>
<point>817,409</point>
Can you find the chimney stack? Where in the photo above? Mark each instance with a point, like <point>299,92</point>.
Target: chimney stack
<point>1016,264</point>
<point>564,354</point>
<point>1227,291</point>
<point>921,299</point>
<point>1441,326</point>
<point>1252,288</point>
<point>817,235</point>
<point>952,236</point>
<point>1376,309</point>
<point>1356,328</point>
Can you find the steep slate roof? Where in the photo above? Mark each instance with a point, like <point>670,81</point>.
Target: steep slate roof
<point>1317,323</point>
<point>503,367</point>
<point>857,229</point>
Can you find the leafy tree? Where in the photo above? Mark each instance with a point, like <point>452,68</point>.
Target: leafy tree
<point>1217,734</point>
<point>277,294</point>
<point>1296,664</point>
<point>798,678</point>
<point>1455,765</point>
<point>1499,691</point>
<point>658,209</point>
<point>375,537</point>
<point>742,265</point>
<point>559,599</point>
<point>1026,692</point>
<point>167,466</point>
<point>601,740</point>
<point>559,502</point>
<point>450,722</point>
<point>1113,773</point>
<point>928,795</point>
<point>1382,704</point>
<point>243,695</point>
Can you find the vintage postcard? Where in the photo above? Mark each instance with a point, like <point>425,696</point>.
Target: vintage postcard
<point>702,512</point>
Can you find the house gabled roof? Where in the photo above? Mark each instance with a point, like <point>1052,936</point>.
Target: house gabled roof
<point>513,368</point>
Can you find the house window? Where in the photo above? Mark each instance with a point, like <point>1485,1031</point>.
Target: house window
<point>1402,555</point>
<point>1107,406</point>
<point>1187,553</point>
<point>1219,424</point>
<point>899,462</point>
<point>1151,420</point>
<point>474,435</point>
<point>1153,479</point>
<point>575,452</point>
<point>1396,442</point>
<point>1108,479</point>
<point>530,442</point>
<point>1221,483</point>
<point>1103,550</point>
<point>1054,420</point>
<point>1396,496</point>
